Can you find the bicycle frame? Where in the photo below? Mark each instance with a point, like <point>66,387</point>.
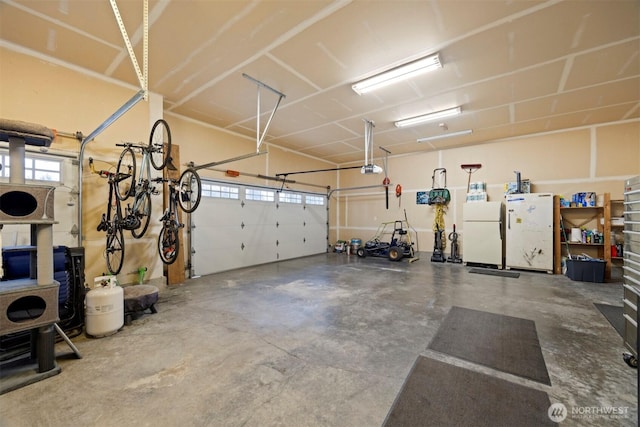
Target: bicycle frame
<point>113,222</point>
<point>169,237</point>
<point>144,178</point>
<point>142,188</point>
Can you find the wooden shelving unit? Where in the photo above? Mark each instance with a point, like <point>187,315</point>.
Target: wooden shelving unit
<point>592,217</point>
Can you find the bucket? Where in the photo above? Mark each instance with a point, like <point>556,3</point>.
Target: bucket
<point>104,311</point>
<point>355,244</point>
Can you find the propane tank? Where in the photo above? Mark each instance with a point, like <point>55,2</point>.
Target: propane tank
<point>104,307</point>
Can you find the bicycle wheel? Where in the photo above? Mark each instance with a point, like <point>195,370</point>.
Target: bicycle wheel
<point>169,244</point>
<point>189,190</point>
<point>115,249</point>
<point>160,144</point>
<point>142,209</point>
<point>125,187</point>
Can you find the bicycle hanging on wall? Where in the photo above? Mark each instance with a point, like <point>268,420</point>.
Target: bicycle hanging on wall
<point>113,222</point>
<point>156,153</point>
<point>169,237</point>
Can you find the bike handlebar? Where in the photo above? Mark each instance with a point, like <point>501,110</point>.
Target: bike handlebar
<point>107,174</point>
<point>131,145</point>
<point>167,180</point>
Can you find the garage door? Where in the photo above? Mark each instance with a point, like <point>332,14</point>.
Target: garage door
<point>241,225</point>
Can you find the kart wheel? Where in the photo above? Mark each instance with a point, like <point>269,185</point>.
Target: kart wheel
<point>361,252</point>
<point>395,253</point>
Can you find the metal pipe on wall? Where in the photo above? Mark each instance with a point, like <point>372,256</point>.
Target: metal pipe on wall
<point>140,95</point>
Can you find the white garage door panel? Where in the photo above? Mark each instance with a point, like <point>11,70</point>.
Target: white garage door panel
<point>259,232</point>
<point>290,230</point>
<point>259,242</point>
<point>315,218</point>
<point>215,234</point>
<point>234,233</point>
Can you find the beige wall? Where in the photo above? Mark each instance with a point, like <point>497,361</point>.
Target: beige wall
<point>594,158</point>
<point>61,98</point>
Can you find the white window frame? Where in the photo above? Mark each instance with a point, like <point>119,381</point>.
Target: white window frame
<point>219,191</point>
<point>260,195</point>
<point>289,197</point>
<point>35,168</point>
<point>314,200</point>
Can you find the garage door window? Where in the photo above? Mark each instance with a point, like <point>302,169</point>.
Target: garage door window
<point>287,197</point>
<point>314,200</point>
<point>220,191</point>
<point>262,195</point>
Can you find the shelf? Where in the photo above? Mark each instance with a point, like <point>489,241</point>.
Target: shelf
<point>591,217</point>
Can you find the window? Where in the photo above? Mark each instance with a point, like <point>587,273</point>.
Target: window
<point>314,200</point>
<point>219,191</point>
<point>37,169</point>
<point>263,195</point>
<point>286,197</point>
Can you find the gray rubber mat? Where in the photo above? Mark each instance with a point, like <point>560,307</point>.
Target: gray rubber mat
<point>500,273</point>
<point>613,314</point>
<point>505,343</point>
<point>439,394</point>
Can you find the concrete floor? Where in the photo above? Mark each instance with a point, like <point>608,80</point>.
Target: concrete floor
<point>326,340</point>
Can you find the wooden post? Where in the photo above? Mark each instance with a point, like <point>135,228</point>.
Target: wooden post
<point>174,272</point>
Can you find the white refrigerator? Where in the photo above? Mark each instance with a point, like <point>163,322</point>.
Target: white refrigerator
<point>482,237</point>
<point>529,231</point>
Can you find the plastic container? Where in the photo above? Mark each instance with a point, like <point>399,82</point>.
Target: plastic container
<point>586,270</point>
<point>355,245</point>
<point>104,308</point>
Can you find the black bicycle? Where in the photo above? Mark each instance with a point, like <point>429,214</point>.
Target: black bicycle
<point>156,153</point>
<point>169,237</point>
<point>190,188</point>
<point>113,222</point>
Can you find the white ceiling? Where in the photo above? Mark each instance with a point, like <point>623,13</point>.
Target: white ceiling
<point>515,67</point>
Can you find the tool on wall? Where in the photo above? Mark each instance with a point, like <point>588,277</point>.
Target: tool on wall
<point>440,197</point>
<point>470,168</point>
<point>399,193</point>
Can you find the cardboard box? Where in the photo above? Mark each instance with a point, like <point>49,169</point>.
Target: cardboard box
<point>586,270</point>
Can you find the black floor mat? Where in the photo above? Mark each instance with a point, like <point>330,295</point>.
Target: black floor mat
<point>613,314</point>
<point>439,394</point>
<point>491,272</point>
<point>505,343</point>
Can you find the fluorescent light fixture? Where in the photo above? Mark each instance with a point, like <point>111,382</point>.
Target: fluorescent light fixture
<point>428,117</point>
<point>394,75</point>
<point>445,135</point>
